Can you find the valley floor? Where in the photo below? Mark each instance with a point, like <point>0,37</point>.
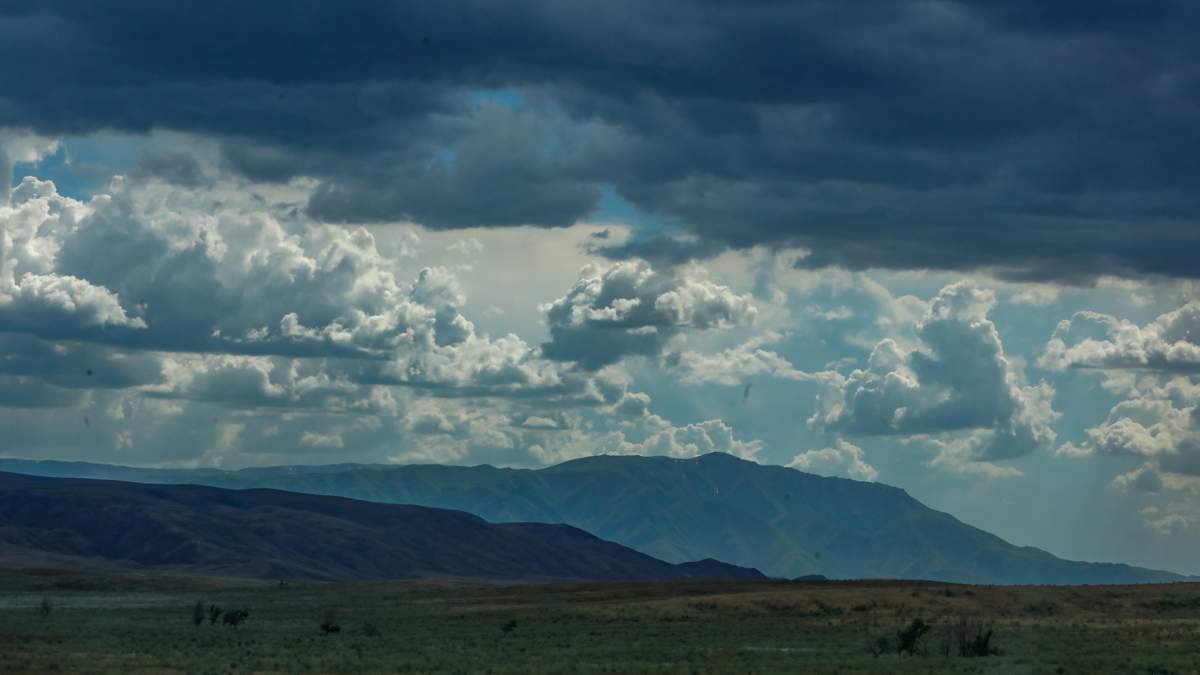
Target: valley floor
<point>61,622</point>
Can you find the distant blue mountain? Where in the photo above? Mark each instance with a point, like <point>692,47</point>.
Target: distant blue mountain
<point>779,520</point>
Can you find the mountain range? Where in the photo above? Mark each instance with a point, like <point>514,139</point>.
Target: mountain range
<point>779,520</point>
<point>276,534</point>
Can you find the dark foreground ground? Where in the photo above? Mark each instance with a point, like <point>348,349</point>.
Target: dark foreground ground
<point>54,622</point>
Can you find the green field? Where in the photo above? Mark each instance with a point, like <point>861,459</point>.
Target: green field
<point>130,623</point>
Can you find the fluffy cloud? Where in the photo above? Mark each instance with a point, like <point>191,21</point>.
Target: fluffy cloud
<point>33,296</point>
<point>629,308</point>
<point>223,326</point>
<point>1158,423</point>
<point>20,146</point>
<point>223,306</point>
<point>1169,344</point>
<point>842,459</point>
<point>50,303</point>
<point>695,439</point>
<point>957,381</point>
<point>1153,369</point>
<point>200,270</point>
<point>209,271</point>
<point>633,403</point>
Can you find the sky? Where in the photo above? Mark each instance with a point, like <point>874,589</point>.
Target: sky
<point>950,246</point>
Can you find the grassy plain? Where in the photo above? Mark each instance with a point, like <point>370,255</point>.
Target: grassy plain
<point>132,623</point>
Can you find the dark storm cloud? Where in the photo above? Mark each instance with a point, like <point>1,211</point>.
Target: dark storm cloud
<point>1047,140</point>
<point>73,365</point>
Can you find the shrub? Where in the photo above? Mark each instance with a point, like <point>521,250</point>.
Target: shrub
<point>509,627</point>
<point>235,617</point>
<point>214,613</point>
<point>911,638</point>
<point>970,638</point>
<point>329,623</point>
<point>198,614</point>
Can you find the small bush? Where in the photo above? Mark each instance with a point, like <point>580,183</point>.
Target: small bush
<point>214,613</point>
<point>911,638</point>
<point>509,627</point>
<point>235,617</point>
<point>329,623</point>
<point>968,638</point>
<point>198,614</point>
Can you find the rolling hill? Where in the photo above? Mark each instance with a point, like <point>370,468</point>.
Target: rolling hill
<point>270,533</point>
<point>776,519</point>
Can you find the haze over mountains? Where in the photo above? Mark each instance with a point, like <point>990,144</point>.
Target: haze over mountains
<point>778,520</point>
<point>269,533</point>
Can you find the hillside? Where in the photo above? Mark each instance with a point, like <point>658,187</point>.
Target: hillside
<point>779,520</point>
<point>270,533</point>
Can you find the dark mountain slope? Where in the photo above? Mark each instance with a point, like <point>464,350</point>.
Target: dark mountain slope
<point>779,520</point>
<point>283,534</point>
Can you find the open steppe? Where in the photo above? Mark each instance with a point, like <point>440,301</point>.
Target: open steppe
<point>127,622</point>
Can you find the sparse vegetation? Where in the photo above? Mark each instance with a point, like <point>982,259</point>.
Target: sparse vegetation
<point>1043,608</point>
<point>1174,604</point>
<point>965,637</point>
<point>879,644</point>
<point>134,624</point>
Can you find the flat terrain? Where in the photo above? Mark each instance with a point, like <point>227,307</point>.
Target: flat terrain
<point>129,623</point>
